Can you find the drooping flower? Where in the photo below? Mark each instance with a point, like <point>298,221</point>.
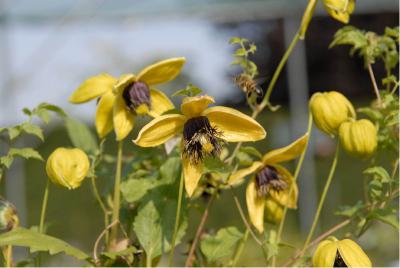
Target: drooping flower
<point>203,129</point>
<point>121,100</point>
<point>8,216</point>
<point>330,110</point>
<point>67,167</point>
<point>340,9</point>
<point>269,187</point>
<point>340,253</point>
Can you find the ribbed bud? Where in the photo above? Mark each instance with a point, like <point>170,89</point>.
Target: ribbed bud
<point>340,9</point>
<point>8,216</point>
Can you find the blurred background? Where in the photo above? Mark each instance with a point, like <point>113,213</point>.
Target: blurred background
<point>47,48</point>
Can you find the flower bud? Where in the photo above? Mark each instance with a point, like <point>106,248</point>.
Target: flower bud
<point>340,9</point>
<point>273,211</point>
<point>358,138</point>
<point>67,167</point>
<point>330,110</point>
<point>8,216</point>
<point>343,253</point>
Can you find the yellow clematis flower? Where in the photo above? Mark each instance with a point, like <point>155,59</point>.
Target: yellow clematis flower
<point>121,100</point>
<point>270,184</point>
<point>67,167</point>
<point>340,9</point>
<point>8,216</point>
<point>203,129</point>
<point>340,253</point>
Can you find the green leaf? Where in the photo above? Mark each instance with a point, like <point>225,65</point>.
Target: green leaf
<point>80,135</point>
<point>190,90</point>
<point>220,245</point>
<point>14,132</point>
<point>134,189</point>
<point>40,242</point>
<point>26,153</point>
<point>251,151</point>
<point>6,161</point>
<point>387,216</point>
<point>350,211</point>
<point>115,254</point>
<point>378,173</point>
<point>212,164</point>
<point>33,130</point>
<point>240,52</point>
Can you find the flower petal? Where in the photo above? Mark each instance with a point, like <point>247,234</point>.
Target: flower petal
<point>238,176</point>
<point>104,114</point>
<point>160,103</point>
<point>93,88</point>
<point>286,153</point>
<point>122,82</point>
<point>194,106</point>
<point>160,129</point>
<point>255,206</point>
<point>273,211</point>
<point>282,197</point>
<point>352,254</point>
<point>234,125</point>
<point>192,174</point>
<point>123,119</point>
<point>162,71</point>
<point>325,254</point>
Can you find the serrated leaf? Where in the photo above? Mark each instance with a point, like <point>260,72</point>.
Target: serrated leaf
<point>379,173</point>
<point>6,161</point>
<point>40,242</point>
<point>134,189</point>
<point>14,132</point>
<point>114,255</point>
<point>80,135</point>
<point>26,153</point>
<point>33,130</point>
<point>220,245</point>
<point>386,216</point>
<point>190,90</point>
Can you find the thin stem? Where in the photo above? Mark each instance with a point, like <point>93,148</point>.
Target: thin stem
<point>117,196</point>
<point>101,204</point>
<point>240,248</point>
<point>96,244</point>
<point>278,71</point>
<point>300,253</point>
<point>44,207</point>
<point>177,220</point>
<point>190,257</point>
<point>322,200</point>
<point>8,256</point>
<point>295,176</point>
<point>375,85</point>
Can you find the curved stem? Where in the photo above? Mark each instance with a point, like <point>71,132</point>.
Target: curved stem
<point>177,221</point>
<point>240,248</point>
<point>44,207</point>
<point>374,84</point>
<point>101,204</point>
<point>295,176</point>
<point>322,200</point>
<point>190,257</point>
<point>96,244</point>
<point>278,71</point>
<point>117,197</point>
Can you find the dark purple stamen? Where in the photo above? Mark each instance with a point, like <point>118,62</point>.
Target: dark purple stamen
<point>268,178</point>
<point>136,94</point>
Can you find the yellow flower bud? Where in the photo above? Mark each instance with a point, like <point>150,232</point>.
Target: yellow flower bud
<point>358,138</point>
<point>67,167</point>
<point>273,211</point>
<point>8,216</point>
<point>343,253</point>
<point>330,110</point>
<point>340,9</point>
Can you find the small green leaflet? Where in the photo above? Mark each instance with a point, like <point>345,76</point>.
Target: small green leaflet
<point>80,135</point>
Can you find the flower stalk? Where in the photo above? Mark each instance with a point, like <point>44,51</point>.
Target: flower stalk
<point>44,207</point>
<point>374,84</point>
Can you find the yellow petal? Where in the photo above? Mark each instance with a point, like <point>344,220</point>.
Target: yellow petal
<point>238,176</point>
<point>325,254</point>
<point>104,114</point>
<point>160,103</point>
<point>255,206</point>
<point>160,129</point>
<point>273,211</point>
<point>352,254</point>
<point>282,197</point>
<point>162,71</point>
<point>123,119</point>
<point>194,106</point>
<point>192,174</point>
<point>289,152</point>
<point>93,88</point>
<point>123,81</point>
<point>234,125</point>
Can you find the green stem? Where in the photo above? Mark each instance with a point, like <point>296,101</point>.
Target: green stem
<point>117,196</point>
<point>295,176</point>
<point>240,248</point>
<point>322,200</point>
<point>278,71</point>
<point>177,220</point>
<point>101,204</point>
<point>148,260</point>
<point>44,207</point>
<point>374,84</point>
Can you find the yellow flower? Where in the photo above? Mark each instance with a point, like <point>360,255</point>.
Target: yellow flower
<point>330,110</point>
<point>270,184</point>
<point>343,253</point>
<point>203,129</point>
<point>340,9</point>
<point>358,138</point>
<point>67,167</point>
<point>8,216</point>
<point>130,95</point>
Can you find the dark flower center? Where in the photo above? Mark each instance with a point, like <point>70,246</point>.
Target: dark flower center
<point>339,262</point>
<point>200,139</point>
<point>136,94</point>
<point>269,179</point>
